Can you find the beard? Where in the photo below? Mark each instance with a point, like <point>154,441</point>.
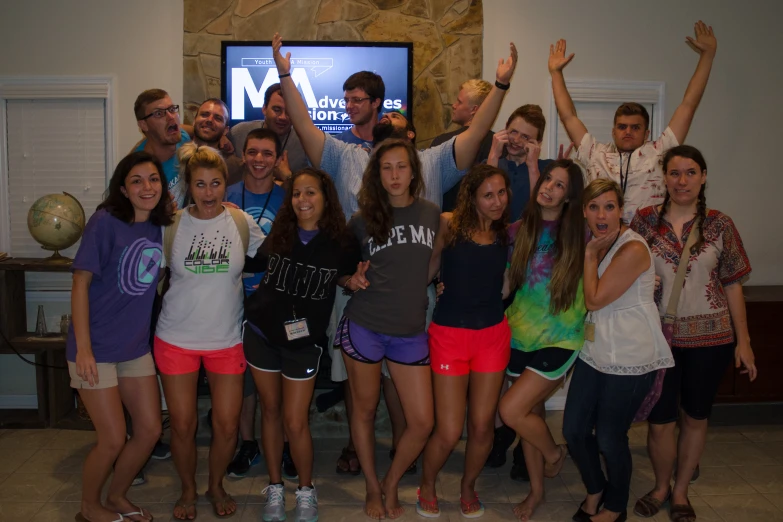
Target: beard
<point>384,130</point>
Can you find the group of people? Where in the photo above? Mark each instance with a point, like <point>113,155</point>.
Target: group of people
<point>267,256</point>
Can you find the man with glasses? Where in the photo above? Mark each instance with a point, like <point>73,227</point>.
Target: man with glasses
<point>209,127</point>
<point>158,120</point>
<point>632,161</point>
<point>364,95</point>
<point>293,157</point>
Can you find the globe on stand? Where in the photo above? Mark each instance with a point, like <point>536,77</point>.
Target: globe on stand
<point>56,221</point>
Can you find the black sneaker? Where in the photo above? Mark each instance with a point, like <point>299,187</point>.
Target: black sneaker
<point>519,469</point>
<point>161,451</point>
<point>504,437</point>
<point>289,468</point>
<point>139,479</point>
<point>247,456</point>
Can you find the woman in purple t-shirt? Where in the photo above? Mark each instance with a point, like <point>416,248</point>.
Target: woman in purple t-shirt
<point>115,273</point>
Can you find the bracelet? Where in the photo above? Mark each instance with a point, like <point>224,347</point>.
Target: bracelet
<point>286,75</point>
<point>346,290</point>
<point>502,86</point>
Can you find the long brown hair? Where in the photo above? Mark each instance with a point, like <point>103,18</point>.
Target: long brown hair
<point>374,205</point>
<point>284,228</point>
<point>569,245</point>
<point>465,221</point>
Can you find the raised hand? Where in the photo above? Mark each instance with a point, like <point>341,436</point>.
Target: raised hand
<point>358,281</point>
<point>557,56</point>
<point>705,41</point>
<point>532,152</point>
<point>283,168</point>
<point>506,67</point>
<point>567,153</point>
<point>283,63</point>
<point>499,141</point>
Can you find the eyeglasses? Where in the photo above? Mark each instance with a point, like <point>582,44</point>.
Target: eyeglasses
<point>159,113</point>
<point>355,101</point>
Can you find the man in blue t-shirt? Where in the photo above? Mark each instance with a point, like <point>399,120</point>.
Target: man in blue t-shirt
<point>158,120</point>
<point>364,95</point>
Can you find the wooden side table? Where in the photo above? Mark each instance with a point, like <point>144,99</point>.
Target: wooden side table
<point>55,397</point>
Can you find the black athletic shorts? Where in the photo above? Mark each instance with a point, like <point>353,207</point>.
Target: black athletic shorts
<point>298,364</point>
<point>550,363</point>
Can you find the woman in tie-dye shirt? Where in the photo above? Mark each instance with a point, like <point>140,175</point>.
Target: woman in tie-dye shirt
<point>546,316</point>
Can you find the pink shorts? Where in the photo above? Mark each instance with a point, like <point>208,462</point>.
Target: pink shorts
<point>459,351</point>
<point>173,360</point>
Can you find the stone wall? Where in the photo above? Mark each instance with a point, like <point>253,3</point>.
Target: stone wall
<point>446,36</point>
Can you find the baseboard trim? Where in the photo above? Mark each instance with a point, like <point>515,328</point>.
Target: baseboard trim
<point>18,402</point>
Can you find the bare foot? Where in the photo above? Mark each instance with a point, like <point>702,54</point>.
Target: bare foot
<point>222,503</point>
<point>97,513</point>
<point>552,470</point>
<point>391,501</point>
<point>185,507</point>
<point>123,505</point>
<point>605,516</point>
<point>525,509</point>
<point>373,506</point>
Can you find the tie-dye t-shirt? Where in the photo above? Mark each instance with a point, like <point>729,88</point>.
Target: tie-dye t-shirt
<point>532,324</point>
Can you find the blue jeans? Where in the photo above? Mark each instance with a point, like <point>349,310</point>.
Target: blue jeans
<point>606,403</point>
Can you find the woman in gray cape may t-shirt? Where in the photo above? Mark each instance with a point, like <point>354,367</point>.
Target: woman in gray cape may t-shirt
<point>385,318</point>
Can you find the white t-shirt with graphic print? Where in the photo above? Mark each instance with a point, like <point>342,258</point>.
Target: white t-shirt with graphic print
<point>203,307</point>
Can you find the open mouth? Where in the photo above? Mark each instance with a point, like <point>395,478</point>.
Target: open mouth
<point>172,129</point>
<point>546,196</point>
<point>602,227</point>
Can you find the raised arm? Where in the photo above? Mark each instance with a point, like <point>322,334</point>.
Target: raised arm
<point>312,137</point>
<point>565,105</point>
<point>705,44</point>
<point>467,144</point>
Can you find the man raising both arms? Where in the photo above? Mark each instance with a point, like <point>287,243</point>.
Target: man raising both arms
<point>631,161</point>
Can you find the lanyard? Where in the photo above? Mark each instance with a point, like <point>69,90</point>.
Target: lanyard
<point>624,182</point>
<point>268,195</point>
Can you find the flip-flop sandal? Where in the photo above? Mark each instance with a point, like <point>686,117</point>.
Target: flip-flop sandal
<point>347,456</point>
<point>464,507</point>
<point>649,506</point>
<point>682,513</point>
<point>80,518</point>
<point>186,506</point>
<point>427,508</point>
<point>222,501</point>
<point>139,513</point>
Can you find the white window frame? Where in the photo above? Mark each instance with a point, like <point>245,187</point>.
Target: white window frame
<point>51,88</point>
<point>619,91</point>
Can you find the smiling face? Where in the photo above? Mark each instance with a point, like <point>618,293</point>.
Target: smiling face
<point>260,158</point>
<point>211,122</point>
<point>143,188</point>
<point>362,111</point>
<point>603,214</point>
<point>164,130</point>
<point>308,201</point>
<point>552,193</point>
<point>396,173</point>
<point>629,132</point>
<point>207,188</point>
<point>492,198</point>
<point>684,179</point>
<point>275,115</point>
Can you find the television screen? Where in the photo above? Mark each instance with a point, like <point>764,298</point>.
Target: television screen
<point>318,69</point>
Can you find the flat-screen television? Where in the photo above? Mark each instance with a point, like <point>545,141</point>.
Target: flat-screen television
<point>318,69</point>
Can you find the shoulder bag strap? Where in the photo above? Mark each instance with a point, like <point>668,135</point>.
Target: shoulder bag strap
<point>682,268</point>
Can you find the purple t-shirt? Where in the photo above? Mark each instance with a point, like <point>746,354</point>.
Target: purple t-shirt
<point>124,260</point>
<point>305,236</point>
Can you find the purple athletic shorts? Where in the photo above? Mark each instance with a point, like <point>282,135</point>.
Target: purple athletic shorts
<point>363,345</point>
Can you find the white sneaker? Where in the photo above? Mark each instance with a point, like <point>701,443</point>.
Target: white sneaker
<point>306,505</point>
<point>274,510</point>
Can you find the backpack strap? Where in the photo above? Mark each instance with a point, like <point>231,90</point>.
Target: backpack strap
<point>241,222</point>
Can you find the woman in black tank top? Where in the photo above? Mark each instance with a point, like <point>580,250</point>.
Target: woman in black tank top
<point>469,337</point>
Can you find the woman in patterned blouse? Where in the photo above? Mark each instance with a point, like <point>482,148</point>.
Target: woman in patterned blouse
<point>710,329</point>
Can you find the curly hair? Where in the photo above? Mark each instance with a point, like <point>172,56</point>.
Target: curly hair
<point>120,206</point>
<point>374,204</point>
<point>465,220</point>
<point>689,152</point>
<point>282,237</point>
<point>569,244</point>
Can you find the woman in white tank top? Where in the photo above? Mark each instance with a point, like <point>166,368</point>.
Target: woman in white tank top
<point>624,346</point>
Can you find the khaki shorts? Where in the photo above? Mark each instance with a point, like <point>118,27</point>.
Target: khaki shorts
<point>108,373</point>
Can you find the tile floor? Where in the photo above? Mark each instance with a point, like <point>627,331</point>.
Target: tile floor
<point>741,480</point>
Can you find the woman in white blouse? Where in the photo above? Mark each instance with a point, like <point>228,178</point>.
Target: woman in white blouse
<point>624,346</point>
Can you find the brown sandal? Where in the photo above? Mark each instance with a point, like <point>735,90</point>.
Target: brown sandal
<point>648,506</point>
<point>345,463</point>
<point>682,513</point>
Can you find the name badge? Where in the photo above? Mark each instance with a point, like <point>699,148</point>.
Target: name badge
<point>296,329</point>
<point>589,331</point>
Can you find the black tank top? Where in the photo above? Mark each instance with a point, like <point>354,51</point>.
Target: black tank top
<point>473,278</point>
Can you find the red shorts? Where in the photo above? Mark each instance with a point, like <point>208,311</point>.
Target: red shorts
<point>459,351</point>
<point>173,360</point>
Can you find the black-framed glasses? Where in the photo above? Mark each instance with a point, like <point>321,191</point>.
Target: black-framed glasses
<point>355,100</point>
<point>159,113</point>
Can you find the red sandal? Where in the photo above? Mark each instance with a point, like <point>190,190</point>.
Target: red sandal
<point>427,508</point>
<point>465,507</point>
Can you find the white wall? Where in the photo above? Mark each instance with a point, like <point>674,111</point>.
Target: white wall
<point>138,42</point>
<point>736,125</point>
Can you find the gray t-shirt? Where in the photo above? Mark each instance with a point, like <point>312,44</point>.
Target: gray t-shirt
<point>297,159</point>
<point>346,162</point>
<point>395,303</point>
